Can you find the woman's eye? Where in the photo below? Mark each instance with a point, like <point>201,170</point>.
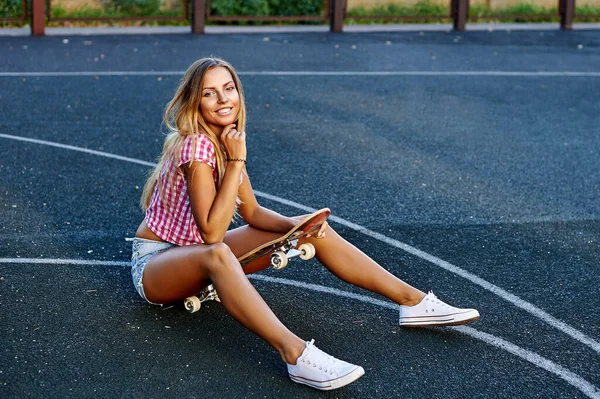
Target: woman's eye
<point>230,88</point>
<point>209,93</point>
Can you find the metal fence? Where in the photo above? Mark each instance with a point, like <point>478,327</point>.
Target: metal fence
<point>198,13</point>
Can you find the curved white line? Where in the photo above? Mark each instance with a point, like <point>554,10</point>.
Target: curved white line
<point>548,365</point>
<point>79,149</point>
<point>507,296</point>
<point>315,73</point>
<point>502,293</point>
<point>571,378</point>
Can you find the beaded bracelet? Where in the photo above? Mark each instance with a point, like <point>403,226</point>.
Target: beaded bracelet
<point>237,160</point>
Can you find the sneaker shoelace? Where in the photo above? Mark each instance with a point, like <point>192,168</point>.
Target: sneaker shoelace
<point>327,363</point>
<point>433,300</point>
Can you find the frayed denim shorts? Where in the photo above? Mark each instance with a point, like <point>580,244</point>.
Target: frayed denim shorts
<point>142,251</point>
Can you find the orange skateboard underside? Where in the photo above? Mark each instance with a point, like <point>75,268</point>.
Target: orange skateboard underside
<point>310,224</point>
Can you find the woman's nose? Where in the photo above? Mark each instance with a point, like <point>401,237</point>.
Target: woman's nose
<point>221,97</point>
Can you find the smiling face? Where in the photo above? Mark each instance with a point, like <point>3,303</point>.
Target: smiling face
<point>220,102</point>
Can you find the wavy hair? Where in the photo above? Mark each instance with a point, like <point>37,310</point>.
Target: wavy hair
<point>183,118</point>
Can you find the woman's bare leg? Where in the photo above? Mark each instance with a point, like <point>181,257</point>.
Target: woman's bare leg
<point>183,271</point>
<point>246,238</point>
<point>350,264</point>
<point>339,256</point>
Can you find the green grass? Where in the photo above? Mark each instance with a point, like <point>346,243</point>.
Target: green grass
<point>110,12</point>
<point>528,13</point>
<point>422,8</point>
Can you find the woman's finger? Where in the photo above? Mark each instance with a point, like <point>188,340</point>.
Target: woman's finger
<point>227,130</point>
<point>321,233</point>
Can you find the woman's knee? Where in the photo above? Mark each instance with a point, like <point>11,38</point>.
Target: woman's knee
<point>220,255</point>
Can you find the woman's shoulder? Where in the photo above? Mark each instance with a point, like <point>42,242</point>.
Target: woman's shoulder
<point>199,148</point>
<point>199,139</point>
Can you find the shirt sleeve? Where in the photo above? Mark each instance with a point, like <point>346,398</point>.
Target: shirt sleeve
<point>204,151</point>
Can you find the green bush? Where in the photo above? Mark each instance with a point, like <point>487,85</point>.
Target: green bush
<point>294,7</point>
<point>133,7</point>
<point>420,8</point>
<point>11,8</point>
<point>239,7</point>
<point>266,7</point>
<point>528,13</point>
<point>586,9</point>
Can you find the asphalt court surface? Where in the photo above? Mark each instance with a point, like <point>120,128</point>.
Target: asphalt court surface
<point>479,149</point>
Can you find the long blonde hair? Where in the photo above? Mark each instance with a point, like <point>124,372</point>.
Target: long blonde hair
<point>183,118</point>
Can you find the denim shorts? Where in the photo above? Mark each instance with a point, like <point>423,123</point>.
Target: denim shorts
<point>143,250</point>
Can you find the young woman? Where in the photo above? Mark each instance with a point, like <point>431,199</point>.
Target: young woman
<point>183,244</point>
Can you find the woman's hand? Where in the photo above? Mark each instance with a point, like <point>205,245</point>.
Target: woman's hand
<point>234,142</point>
<point>321,233</point>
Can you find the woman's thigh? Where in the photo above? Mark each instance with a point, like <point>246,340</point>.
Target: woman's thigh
<point>246,238</point>
<point>178,273</point>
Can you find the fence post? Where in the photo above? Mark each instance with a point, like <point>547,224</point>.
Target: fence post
<point>198,16</point>
<point>460,14</point>
<point>567,12</point>
<point>337,11</point>
<point>38,17</point>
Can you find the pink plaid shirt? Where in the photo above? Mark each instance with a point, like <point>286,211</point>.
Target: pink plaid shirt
<point>175,223</point>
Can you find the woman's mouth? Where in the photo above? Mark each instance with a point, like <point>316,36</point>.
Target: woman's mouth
<point>224,111</point>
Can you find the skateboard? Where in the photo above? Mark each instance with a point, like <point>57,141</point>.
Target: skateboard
<point>280,251</point>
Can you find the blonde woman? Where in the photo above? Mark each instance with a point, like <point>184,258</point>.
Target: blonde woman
<point>183,244</point>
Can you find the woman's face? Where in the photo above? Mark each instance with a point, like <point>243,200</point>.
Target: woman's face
<point>220,102</point>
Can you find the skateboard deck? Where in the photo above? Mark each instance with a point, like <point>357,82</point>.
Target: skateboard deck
<point>279,251</point>
<point>283,248</point>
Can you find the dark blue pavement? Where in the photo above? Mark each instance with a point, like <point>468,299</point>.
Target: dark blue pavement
<point>466,152</point>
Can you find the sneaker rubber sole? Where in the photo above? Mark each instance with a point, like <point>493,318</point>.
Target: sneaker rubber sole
<point>339,382</point>
<point>455,319</point>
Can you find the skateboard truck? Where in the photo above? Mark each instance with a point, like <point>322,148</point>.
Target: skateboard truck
<point>193,303</point>
<point>279,258</point>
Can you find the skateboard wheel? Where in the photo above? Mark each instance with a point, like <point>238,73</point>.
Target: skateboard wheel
<point>192,304</point>
<point>278,260</point>
<point>308,251</point>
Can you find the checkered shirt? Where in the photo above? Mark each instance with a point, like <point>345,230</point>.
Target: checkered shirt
<point>175,222</point>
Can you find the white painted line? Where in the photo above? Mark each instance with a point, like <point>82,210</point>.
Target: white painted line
<point>317,73</point>
<point>571,378</point>
<point>286,202</point>
<point>502,293</point>
<point>515,300</point>
<point>425,73</point>
<point>548,365</point>
<point>46,261</point>
<point>92,73</point>
<point>79,149</point>
<point>326,290</point>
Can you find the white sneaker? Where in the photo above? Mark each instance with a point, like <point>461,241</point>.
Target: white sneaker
<point>433,312</point>
<point>319,370</point>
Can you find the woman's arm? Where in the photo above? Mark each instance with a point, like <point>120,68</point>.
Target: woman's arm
<point>212,210</point>
<point>258,216</point>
